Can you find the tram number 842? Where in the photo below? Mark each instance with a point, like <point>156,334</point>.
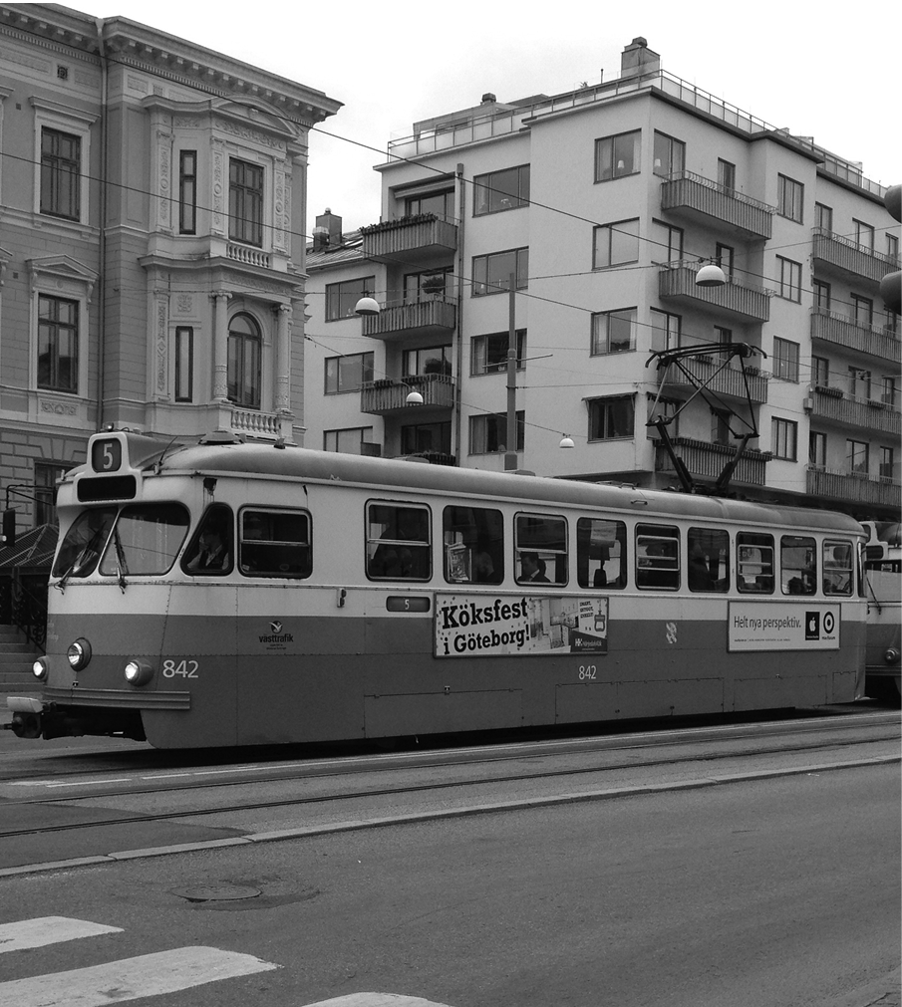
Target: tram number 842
<point>180,669</point>
<point>588,672</point>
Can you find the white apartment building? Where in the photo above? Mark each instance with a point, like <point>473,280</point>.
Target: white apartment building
<point>603,203</point>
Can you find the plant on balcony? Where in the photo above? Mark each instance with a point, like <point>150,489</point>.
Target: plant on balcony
<point>434,284</point>
<point>383,383</point>
<point>830,390</point>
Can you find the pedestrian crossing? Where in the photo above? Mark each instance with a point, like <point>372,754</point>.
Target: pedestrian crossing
<point>141,976</point>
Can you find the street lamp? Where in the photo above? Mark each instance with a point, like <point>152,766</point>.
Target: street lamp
<point>567,442</point>
<point>710,275</point>
<point>370,306</point>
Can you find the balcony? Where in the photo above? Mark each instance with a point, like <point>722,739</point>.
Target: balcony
<point>409,239</point>
<point>387,397</point>
<point>741,301</point>
<point>853,487</point>
<point>707,461</point>
<point>831,327</point>
<point>867,414</point>
<point>435,317</point>
<point>700,198</point>
<point>728,382</point>
<point>842,255</point>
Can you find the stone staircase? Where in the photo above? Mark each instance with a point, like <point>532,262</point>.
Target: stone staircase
<point>16,658</point>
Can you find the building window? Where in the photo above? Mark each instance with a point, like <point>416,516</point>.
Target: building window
<point>790,279</point>
<point>723,336</point>
<point>244,360</point>
<point>821,294</point>
<point>786,359</point>
<point>817,450</point>
<point>187,192</point>
<point>823,216</point>
<point>616,244</point>
<point>488,354</point>
<point>488,432</point>
<point>349,441</point>
<point>501,190</point>
<point>60,174</point>
<point>184,364</point>
<point>862,311</point>
<point>864,234</point>
<point>426,286</point>
<point>418,438</point>
<point>439,203</point>
<point>726,175</point>
<point>616,156</point>
<point>665,330</point>
<point>892,247</point>
<point>888,395</point>
<point>492,273</point>
<point>857,457</point>
<point>245,202</point>
<point>859,383</point>
<point>57,344</point>
<point>790,194</point>
<point>891,325</point>
<point>612,418</point>
<point>429,360</point>
<point>613,331</point>
<point>785,439</point>
<point>724,258</point>
<point>668,241</point>
<point>887,462</point>
<point>46,476</point>
<point>670,154</point>
<point>347,373</point>
<point>342,298</point>
<point>820,371</point>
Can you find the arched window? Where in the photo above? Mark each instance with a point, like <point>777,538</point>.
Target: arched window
<point>245,345</point>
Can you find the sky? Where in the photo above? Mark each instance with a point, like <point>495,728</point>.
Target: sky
<point>825,75</point>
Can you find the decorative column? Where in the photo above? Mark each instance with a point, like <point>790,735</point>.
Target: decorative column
<point>283,358</point>
<point>220,344</point>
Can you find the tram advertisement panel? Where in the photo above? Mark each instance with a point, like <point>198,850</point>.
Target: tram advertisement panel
<point>487,626</point>
<point>757,625</point>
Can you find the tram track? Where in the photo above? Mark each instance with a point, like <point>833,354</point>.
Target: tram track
<point>879,729</point>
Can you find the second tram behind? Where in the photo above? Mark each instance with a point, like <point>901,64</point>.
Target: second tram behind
<point>227,594</point>
<point>883,573</point>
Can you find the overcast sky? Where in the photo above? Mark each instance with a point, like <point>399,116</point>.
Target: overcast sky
<point>815,70</point>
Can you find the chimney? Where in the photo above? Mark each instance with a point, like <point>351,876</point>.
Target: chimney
<point>327,233</point>
<point>488,98</point>
<point>638,59</point>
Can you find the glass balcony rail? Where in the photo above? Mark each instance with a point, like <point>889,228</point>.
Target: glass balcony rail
<point>735,300</point>
<point>706,460</point>
<point>853,487</point>
<point>687,191</point>
<point>849,257</point>
<point>831,327</point>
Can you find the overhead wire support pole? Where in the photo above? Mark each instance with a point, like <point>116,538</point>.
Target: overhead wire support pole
<point>510,452</point>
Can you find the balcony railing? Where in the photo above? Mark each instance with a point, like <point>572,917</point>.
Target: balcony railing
<point>849,257</point>
<point>423,235</point>
<point>686,192</point>
<point>832,327</point>
<point>707,460</point>
<point>853,487</point>
<point>734,299</point>
<point>727,382</point>
<point>868,414</point>
<point>389,396</point>
<point>248,256</point>
<point>435,317</point>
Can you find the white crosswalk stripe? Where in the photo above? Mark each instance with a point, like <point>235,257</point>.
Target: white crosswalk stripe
<point>45,930</point>
<point>131,978</point>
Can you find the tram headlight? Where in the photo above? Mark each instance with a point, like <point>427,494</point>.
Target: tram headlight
<point>79,654</point>
<point>891,656</point>
<point>138,672</point>
<point>40,669</point>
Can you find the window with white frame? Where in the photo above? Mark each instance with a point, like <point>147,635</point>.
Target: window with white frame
<point>440,203</point>
<point>790,195</point>
<point>857,456</point>
<point>785,439</point>
<point>617,155</point>
<point>492,273</point>
<point>786,359</point>
<point>820,371</point>
<point>666,330</point>
<point>616,244</point>
<point>342,298</point>
<point>790,279</point>
<point>488,354</point>
<point>817,449</point>
<point>821,290</point>
<point>887,462</point>
<point>348,372</point>
<point>669,154</point>
<point>496,191</point>
<point>862,310</point>
<point>892,246</point>
<point>890,390</point>
<point>823,216</point>
<point>668,242</point>
<point>613,331</point>
<point>726,175</point>
<point>864,234</point>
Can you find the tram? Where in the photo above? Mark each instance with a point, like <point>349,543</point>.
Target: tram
<point>226,594</point>
<point>883,573</point>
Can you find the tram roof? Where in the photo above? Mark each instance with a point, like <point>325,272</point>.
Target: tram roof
<point>387,475</point>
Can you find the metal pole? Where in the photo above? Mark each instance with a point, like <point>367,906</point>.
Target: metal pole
<point>510,454</point>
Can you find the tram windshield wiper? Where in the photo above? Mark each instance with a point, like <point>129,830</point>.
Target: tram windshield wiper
<point>121,564</point>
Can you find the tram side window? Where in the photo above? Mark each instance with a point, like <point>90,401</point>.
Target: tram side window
<point>146,539</point>
<point>837,567</point>
<point>540,549</point>
<point>755,563</point>
<point>398,542</point>
<point>708,566</point>
<point>84,542</point>
<point>274,543</point>
<point>209,553</point>
<point>600,553</point>
<point>798,564</point>
<point>473,545</point>
<point>657,557</point>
